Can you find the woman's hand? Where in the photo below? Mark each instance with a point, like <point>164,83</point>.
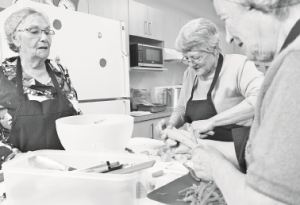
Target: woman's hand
<point>206,159</point>
<point>202,128</point>
<point>177,147</point>
<point>186,143</point>
<point>161,125</point>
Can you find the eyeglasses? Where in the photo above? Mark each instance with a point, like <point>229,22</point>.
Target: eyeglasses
<point>194,59</point>
<point>36,31</point>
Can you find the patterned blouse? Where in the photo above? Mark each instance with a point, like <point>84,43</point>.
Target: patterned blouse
<point>34,90</point>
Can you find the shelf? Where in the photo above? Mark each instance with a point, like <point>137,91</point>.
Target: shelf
<point>147,69</point>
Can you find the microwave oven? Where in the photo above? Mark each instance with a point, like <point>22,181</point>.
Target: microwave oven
<point>142,55</point>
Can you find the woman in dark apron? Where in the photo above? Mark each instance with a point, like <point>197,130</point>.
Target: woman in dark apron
<point>35,91</point>
<point>205,109</point>
<point>33,125</point>
<point>215,86</point>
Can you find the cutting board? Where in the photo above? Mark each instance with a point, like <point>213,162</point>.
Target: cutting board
<point>171,189</point>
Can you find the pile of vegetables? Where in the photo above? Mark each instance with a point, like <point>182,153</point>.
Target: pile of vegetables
<point>204,194</point>
<point>167,155</point>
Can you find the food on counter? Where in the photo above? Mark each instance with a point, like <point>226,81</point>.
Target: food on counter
<point>158,173</point>
<point>167,155</point>
<point>170,143</point>
<point>150,184</point>
<point>160,152</point>
<point>204,194</point>
<point>180,158</point>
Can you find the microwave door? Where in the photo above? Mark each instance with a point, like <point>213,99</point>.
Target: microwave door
<point>152,56</point>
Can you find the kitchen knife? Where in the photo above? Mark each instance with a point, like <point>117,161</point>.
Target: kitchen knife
<point>134,168</point>
<point>42,162</point>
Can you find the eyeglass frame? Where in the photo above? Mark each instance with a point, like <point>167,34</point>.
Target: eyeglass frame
<point>187,61</point>
<point>51,32</point>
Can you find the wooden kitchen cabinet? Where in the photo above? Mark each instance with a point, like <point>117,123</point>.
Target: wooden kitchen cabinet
<point>145,21</point>
<point>146,129</point>
<point>171,29</point>
<point>143,129</point>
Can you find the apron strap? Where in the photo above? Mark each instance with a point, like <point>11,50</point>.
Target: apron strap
<point>19,77</point>
<point>194,85</point>
<point>218,70</point>
<point>294,33</point>
<point>216,76</point>
<point>54,80</point>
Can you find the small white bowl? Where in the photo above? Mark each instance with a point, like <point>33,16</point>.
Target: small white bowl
<point>95,133</point>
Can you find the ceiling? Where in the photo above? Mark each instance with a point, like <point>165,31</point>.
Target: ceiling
<point>194,8</point>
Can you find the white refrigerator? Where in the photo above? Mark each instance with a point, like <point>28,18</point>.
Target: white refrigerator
<point>94,51</point>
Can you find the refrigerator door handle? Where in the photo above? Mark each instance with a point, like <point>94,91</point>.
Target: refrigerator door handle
<point>125,59</point>
<point>127,106</point>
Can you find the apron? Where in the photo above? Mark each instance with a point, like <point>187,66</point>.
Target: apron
<point>33,125</point>
<point>241,146</point>
<point>205,109</point>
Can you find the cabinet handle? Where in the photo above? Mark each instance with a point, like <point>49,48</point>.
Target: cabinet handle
<point>145,27</point>
<point>149,28</point>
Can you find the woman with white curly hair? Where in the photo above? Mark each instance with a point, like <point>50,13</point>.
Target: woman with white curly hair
<point>219,91</point>
<point>34,90</point>
<point>268,30</point>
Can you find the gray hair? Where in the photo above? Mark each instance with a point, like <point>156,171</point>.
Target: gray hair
<point>14,20</point>
<point>199,31</point>
<point>279,7</point>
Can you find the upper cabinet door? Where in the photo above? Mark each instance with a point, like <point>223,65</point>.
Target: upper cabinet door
<point>112,9</point>
<point>145,21</point>
<point>155,24</point>
<point>138,19</point>
<point>171,29</point>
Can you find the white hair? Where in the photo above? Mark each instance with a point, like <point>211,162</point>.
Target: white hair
<point>14,20</point>
<point>199,31</point>
<point>278,7</point>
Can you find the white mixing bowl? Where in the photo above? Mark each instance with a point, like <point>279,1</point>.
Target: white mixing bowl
<point>95,133</point>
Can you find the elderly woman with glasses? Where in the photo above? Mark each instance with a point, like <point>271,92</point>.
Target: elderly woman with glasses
<point>34,91</point>
<point>267,31</point>
<point>219,91</point>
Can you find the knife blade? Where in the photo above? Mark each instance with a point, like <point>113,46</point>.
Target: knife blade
<point>134,168</point>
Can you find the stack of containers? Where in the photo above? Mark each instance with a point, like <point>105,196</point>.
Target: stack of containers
<point>26,184</point>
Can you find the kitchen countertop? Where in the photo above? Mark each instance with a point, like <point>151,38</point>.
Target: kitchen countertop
<point>152,116</point>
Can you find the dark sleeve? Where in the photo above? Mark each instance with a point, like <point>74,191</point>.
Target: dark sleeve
<point>4,152</point>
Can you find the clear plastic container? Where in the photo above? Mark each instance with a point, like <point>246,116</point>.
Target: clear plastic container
<point>25,184</point>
